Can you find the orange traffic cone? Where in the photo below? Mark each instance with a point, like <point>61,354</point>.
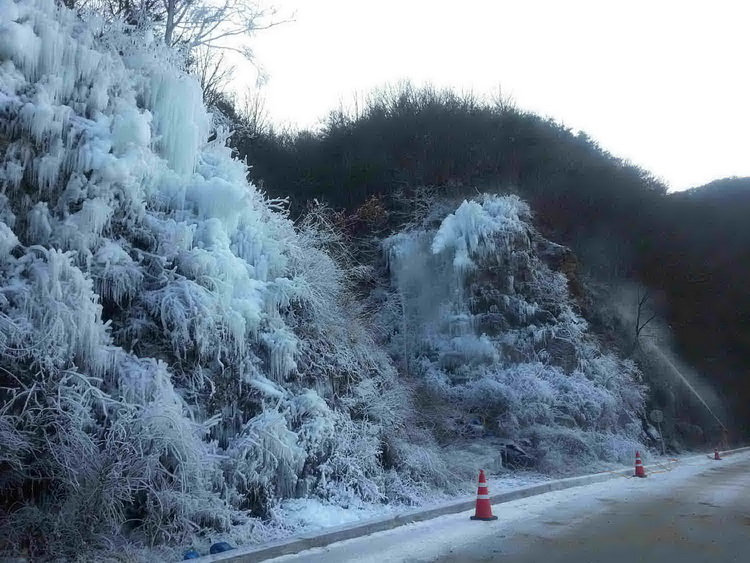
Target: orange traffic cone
<point>717,457</point>
<point>639,470</point>
<point>484,508</point>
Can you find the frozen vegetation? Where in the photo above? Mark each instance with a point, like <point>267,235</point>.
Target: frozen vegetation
<point>489,332</point>
<point>177,357</point>
<point>174,355</point>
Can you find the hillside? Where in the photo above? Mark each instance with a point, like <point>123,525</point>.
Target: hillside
<point>181,355</point>
<point>722,190</point>
<point>698,254</point>
<point>687,251</point>
<point>484,322</point>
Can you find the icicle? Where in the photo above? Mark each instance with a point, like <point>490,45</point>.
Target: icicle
<point>8,240</point>
<point>180,117</point>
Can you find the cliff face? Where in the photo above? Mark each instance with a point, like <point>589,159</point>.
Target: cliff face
<point>483,318</point>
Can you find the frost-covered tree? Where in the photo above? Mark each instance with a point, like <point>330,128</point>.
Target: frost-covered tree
<point>218,24</point>
<point>189,24</point>
<point>203,31</point>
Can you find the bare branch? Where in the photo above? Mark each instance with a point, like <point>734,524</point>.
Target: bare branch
<point>640,324</point>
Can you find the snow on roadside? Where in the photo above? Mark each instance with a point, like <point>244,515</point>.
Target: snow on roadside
<point>309,514</point>
<point>305,515</point>
<point>427,540</point>
<point>296,517</point>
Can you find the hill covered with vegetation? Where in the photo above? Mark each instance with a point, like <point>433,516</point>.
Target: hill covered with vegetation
<point>178,358</point>
<point>188,344</point>
<point>688,250</point>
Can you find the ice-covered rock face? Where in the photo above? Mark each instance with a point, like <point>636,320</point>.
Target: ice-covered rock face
<point>165,331</point>
<point>493,331</point>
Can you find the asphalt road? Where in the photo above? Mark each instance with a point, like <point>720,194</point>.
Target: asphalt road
<point>697,512</point>
<point>704,518</point>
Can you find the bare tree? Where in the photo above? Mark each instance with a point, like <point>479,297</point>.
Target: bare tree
<point>503,101</point>
<point>644,315</point>
<point>254,113</point>
<point>203,29</point>
<point>213,72</point>
<point>221,24</point>
<point>188,24</point>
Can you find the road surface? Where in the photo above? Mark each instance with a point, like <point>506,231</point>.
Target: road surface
<point>698,511</point>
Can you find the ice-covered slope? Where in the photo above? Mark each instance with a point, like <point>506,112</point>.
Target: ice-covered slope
<point>168,338</point>
<point>490,331</point>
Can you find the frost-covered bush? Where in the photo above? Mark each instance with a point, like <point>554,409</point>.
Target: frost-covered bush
<point>491,334</point>
<point>175,356</point>
<point>82,457</point>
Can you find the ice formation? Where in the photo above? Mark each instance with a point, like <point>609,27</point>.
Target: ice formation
<point>167,335</point>
<point>492,333</point>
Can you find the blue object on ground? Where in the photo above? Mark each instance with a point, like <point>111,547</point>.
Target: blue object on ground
<point>220,547</point>
<point>191,554</point>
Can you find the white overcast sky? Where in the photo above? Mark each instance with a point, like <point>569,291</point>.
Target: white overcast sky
<point>664,84</point>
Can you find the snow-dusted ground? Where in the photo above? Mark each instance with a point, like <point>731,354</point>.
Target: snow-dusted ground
<point>309,514</point>
<point>533,523</point>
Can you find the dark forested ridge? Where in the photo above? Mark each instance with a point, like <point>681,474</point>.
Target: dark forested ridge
<point>691,247</point>
<point>407,137</point>
<point>699,253</point>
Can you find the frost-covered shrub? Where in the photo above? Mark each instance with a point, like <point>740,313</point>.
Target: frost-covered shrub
<point>99,451</point>
<point>563,451</point>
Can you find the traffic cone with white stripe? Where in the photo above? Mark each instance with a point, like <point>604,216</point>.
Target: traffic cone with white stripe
<point>484,508</point>
<point>717,457</point>
<point>639,470</point>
